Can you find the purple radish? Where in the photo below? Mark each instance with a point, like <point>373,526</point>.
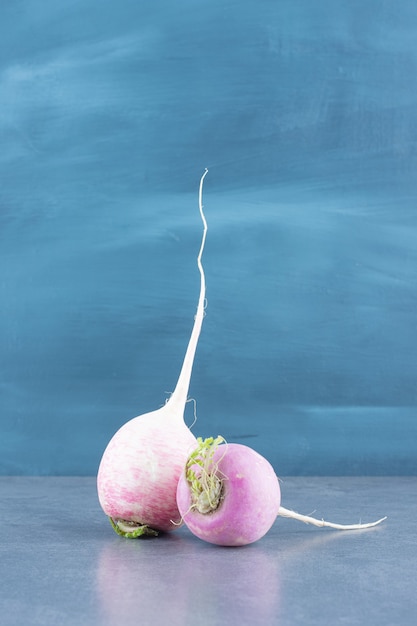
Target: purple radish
<point>229,495</point>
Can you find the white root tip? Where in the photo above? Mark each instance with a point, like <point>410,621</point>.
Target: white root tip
<point>322,523</point>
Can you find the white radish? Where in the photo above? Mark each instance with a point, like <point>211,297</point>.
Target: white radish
<point>140,468</point>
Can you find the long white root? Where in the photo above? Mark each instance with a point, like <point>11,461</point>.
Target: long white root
<point>178,397</point>
<point>321,522</point>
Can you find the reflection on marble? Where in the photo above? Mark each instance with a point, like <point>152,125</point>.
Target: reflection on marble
<point>183,580</point>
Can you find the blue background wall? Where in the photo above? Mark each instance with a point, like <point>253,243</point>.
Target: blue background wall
<point>305,114</point>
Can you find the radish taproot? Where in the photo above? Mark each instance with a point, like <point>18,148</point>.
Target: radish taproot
<point>140,467</point>
<point>229,495</point>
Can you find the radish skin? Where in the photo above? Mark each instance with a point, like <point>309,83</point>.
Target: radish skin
<point>140,467</point>
<point>229,495</point>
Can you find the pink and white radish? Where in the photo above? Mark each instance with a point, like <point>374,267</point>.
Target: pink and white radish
<point>139,471</point>
<point>229,495</point>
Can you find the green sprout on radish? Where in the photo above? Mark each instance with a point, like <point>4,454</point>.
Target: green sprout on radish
<point>205,484</point>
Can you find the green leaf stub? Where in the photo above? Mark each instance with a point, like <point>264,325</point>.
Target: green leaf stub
<point>132,530</point>
<point>204,477</point>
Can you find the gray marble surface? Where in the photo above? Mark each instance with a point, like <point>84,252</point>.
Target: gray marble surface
<point>61,564</point>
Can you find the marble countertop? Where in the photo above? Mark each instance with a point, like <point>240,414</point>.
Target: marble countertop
<point>61,563</point>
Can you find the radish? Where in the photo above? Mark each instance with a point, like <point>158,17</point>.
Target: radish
<point>229,495</point>
<point>139,471</point>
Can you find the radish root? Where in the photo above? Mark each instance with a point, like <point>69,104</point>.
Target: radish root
<point>178,397</point>
<point>322,523</point>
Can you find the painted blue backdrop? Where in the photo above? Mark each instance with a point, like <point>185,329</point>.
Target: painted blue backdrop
<point>305,114</point>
